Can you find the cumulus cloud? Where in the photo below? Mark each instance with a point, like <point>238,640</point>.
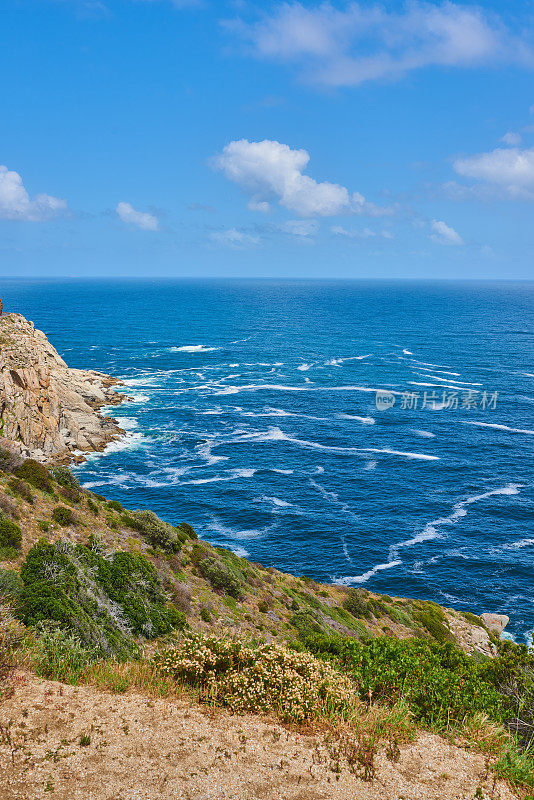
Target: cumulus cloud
<point>235,239</point>
<point>365,233</point>
<point>269,171</point>
<point>15,202</point>
<point>444,234</point>
<point>511,138</point>
<point>510,171</point>
<point>361,43</point>
<point>128,214</point>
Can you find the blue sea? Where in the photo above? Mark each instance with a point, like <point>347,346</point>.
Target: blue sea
<point>253,416</point>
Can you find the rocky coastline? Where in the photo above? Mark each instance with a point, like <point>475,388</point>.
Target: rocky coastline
<point>49,411</point>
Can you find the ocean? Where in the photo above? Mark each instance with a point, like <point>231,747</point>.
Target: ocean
<point>375,434</point>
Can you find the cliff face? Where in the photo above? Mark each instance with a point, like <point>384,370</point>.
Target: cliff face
<point>49,411</point>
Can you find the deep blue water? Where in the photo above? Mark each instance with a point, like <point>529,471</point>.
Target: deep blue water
<point>254,418</point>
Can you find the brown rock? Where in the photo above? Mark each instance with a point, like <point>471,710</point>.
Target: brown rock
<point>495,623</point>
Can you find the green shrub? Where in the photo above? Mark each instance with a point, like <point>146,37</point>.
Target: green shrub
<point>263,678</point>
<point>159,533</point>
<point>188,530</point>
<point>61,655</point>
<point>9,460</point>
<point>114,505</point>
<point>63,516</point>
<point>439,682</point>
<point>35,474</point>
<point>64,477</point>
<point>356,604</point>
<point>93,508</point>
<point>8,507</point>
<point>205,614</point>
<point>104,599</point>
<point>43,524</point>
<point>10,533</point>
<point>263,607</point>
<point>21,488</point>
<point>10,585</point>
<point>433,619</point>
<point>70,495</point>
<point>220,576</point>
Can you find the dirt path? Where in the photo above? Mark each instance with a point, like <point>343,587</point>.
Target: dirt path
<point>141,749</point>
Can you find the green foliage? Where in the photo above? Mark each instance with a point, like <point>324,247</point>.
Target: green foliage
<point>263,607</point>
<point>8,507</point>
<point>356,604</point>
<point>221,576</point>
<point>21,488</point>
<point>434,625</point>
<point>439,682</point>
<point>114,505</point>
<point>93,508</point>
<point>61,655</point>
<point>64,477</point>
<point>205,614</point>
<point>43,524</point>
<point>103,599</point>
<point>158,533</point>
<point>10,585</point>
<point>35,474</point>
<point>8,460</point>
<point>10,533</point>
<point>188,530</point>
<point>63,516</point>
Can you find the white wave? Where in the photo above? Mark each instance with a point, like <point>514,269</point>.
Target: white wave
<point>336,362</point>
<point>333,498</point>
<point>370,465</point>
<point>430,531</point>
<point>204,451</point>
<point>274,500</point>
<point>282,471</point>
<point>239,551</point>
<point>277,435</point>
<point>350,580</point>
<point>444,371</point>
<point>278,387</point>
<point>127,423</point>
<point>193,348</point>
<point>363,420</point>
<point>527,374</point>
<point>231,475</point>
<point>498,427</point>
<point>428,364</point>
<point>232,533</point>
<point>304,367</point>
<point>130,441</point>
<point>448,380</point>
<point>138,398</point>
<point>439,386</point>
<point>407,352</point>
<point>424,434</point>
<point>518,545</point>
<point>143,380</point>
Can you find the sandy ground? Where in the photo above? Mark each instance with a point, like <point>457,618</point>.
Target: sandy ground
<point>143,749</point>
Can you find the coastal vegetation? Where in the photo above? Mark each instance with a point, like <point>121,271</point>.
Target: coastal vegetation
<point>94,593</point>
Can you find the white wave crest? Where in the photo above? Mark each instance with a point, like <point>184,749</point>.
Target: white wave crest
<point>498,427</point>
<point>363,420</point>
<point>424,434</point>
<point>193,348</point>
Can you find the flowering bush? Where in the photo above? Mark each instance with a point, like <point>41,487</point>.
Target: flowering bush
<point>265,678</point>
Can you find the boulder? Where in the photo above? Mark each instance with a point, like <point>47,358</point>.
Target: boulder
<point>495,623</point>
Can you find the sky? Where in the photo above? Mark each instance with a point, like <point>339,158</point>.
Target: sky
<point>214,138</point>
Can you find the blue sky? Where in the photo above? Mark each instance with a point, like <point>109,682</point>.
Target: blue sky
<point>203,138</point>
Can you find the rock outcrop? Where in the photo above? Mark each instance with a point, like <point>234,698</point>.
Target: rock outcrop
<point>49,411</point>
<point>496,623</point>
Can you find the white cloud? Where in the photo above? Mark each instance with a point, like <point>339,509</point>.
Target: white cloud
<point>511,138</point>
<point>301,227</point>
<point>510,170</point>
<point>270,171</point>
<point>444,234</point>
<point>364,233</point>
<point>363,43</point>
<point>15,203</point>
<point>128,214</point>
<point>235,239</point>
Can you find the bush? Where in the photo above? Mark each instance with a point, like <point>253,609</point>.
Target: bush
<point>10,533</point>
<point>93,508</point>
<point>439,682</point>
<point>11,637</point>
<point>22,489</point>
<point>158,533</point>
<point>63,516</point>
<point>263,607</point>
<point>205,614</point>
<point>434,625</point>
<point>10,585</point>
<point>266,678</point>
<point>60,655</point>
<point>356,604</point>
<point>70,495</point>
<point>64,477</point>
<point>188,530</point>
<point>102,598</point>
<point>114,505</point>
<point>220,576</point>
<point>9,460</point>
<point>35,474</point>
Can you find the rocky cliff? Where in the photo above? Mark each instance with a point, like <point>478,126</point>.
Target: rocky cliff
<point>49,411</point>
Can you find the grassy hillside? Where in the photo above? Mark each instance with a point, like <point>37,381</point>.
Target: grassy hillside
<point>92,592</point>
